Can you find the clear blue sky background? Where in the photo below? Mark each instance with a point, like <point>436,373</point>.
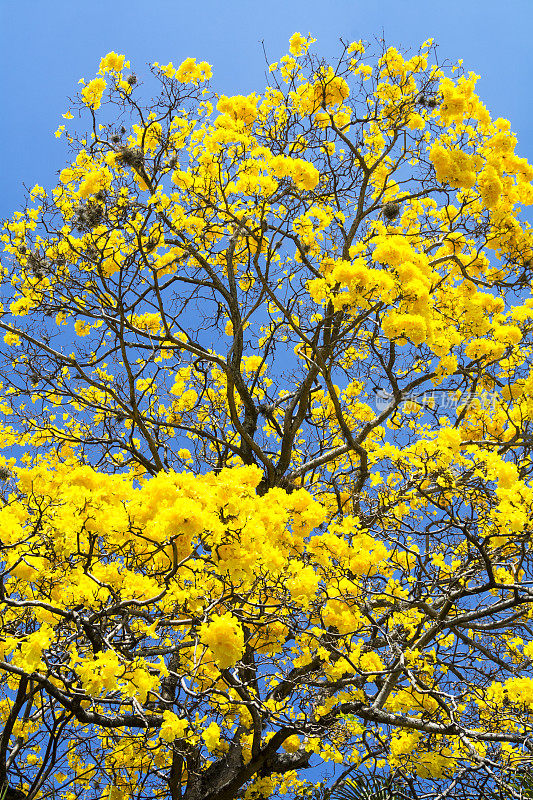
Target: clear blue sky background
<point>47,45</point>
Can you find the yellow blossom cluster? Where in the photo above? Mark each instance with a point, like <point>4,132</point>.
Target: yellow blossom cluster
<point>189,71</point>
<point>92,93</point>
<point>225,640</point>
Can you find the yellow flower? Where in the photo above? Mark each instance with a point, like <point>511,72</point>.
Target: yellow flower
<point>239,107</point>
<point>112,62</point>
<point>299,45</point>
<point>191,72</point>
<point>224,637</point>
<point>82,328</point>
<point>411,326</point>
<point>291,744</point>
<point>169,70</point>
<point>32,648</point>
<point>303,585</point>
<point>454,166</point>
<point>304,174</point>
<point>252,363</point>
<point>490,186</point>
<point>11,338</point>
<point>211,737</point>
<point>94,181</point>
<point>92,93</point>
<point>173,727</point>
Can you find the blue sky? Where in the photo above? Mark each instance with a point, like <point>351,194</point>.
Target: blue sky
<point>49,44</point>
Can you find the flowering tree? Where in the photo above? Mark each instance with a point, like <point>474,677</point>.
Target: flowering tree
<point>268,366</point>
